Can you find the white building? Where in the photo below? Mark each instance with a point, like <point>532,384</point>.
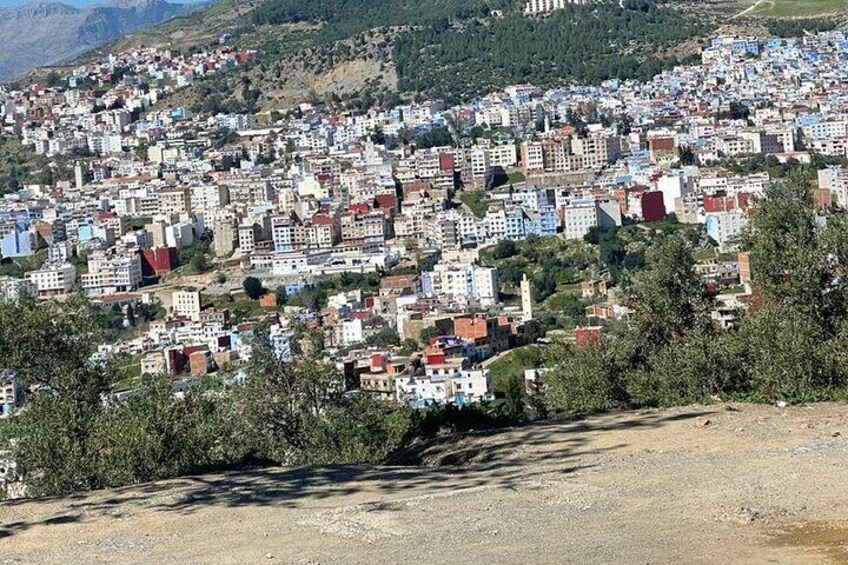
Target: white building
<point>526,300</point>
<point>532,7</point>
<point>674,187</point>
<point>462,282</point>
<point>53,280</point>
<point>725,227</point>
<point>112,274</point>
<point>13,289</point>
<point>835,181</point>
<point>186,303</point>
<point>351,332</point>
<point>444,384</point>
<point>579,216</point>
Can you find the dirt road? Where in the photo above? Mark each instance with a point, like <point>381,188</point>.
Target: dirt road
<point>718,484</point>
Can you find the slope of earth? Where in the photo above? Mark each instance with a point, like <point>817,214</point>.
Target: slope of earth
<point>716,484</point>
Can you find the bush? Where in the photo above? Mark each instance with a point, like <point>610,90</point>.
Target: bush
<point>357,430</point>
<point>155,435</point>
<point>583,381</point>
<point>505,249</point>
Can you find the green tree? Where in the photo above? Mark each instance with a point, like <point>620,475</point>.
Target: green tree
<point>581,380</point>
<point>505,249</point>
<point>199,263</point>
<point>789,357</point>
<point>285,394</point>
<point>669,296</point>
<point>253,288</point>
<point>357,430</point>
<point>48,347</point>
<point>141,152</point>
<point>52,80</point>
<point>429,332</point>
<point>795,263</point>
<point>154,434</point>
<point>385,337</point>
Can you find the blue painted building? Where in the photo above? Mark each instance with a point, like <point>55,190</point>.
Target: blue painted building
<point>16,239</point>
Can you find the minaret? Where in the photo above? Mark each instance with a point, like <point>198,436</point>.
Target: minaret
<point>526,300</point>
<point>79,180</point>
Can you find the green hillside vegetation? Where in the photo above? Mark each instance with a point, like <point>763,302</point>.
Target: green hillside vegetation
<point>795,8</point>
<point>795,27</point>
<point>359,53</point>
<point>582,43</point>
<point>405,47</point>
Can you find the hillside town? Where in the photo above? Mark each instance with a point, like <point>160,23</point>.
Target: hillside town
<point>382,231</point>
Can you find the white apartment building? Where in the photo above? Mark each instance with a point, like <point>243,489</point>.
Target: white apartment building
<point>53,280</point>
<point>479,165</point>
<point>505,155</point>
<point>674,185</point>
<point>835,181</point>
<point>532,7</point>
<point>208,198</point>
<point>109,274</point>
<point>444,384</point>
<point>350,332</point>
<point>725,227</point>
<point>462,282</point>
<point>533,157</point>
<point>12,288</point>
<point>735,145</point>
<point>186,303</point>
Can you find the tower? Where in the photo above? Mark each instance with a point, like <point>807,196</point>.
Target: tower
<point>79,175</point>
<point>526,300</point>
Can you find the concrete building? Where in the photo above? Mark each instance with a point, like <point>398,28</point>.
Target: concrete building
<point>726,227</point>
<point>462,283</point>
<point>579,216</point>
<point>109,274</point>
<point>53,280</point>
<point>186,303</point>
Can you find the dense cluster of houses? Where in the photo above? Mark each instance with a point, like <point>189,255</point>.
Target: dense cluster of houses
<point>298,197</point>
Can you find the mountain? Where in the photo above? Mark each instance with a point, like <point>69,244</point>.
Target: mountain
<point>46,33</point>
<point>359,53</point>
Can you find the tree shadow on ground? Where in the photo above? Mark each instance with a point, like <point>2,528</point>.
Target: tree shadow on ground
<point>506,458</point>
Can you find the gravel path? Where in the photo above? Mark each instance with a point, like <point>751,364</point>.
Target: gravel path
<point>717,484</point>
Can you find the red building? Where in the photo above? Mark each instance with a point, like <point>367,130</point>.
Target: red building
<point>158,262</point>
<point>386,202</point>
<point>446,162</point>
<point>590,335</point>
<point>720,202</point>
<point>653,208</point>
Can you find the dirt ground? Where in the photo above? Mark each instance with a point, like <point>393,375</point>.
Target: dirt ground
<point>716,484</point>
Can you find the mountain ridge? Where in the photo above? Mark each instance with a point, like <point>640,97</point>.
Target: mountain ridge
<point>47,33</point>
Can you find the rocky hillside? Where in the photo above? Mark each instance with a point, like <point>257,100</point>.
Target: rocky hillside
<point>45,33</point>
<point>716,484</point>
